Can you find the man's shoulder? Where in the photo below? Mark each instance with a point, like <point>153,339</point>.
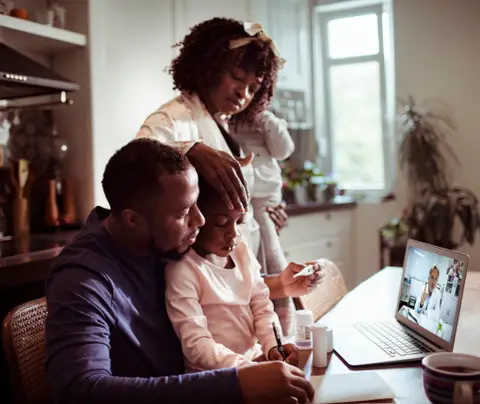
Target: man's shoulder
<point>89,252</point>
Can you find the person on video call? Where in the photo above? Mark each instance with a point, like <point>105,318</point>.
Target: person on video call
<point>429,301</point>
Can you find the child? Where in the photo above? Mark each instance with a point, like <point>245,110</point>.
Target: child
<point>268,139</point>
<point>216,298</point>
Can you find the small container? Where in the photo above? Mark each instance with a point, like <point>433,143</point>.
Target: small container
<point>329,340</point>
<point>46,17</point>
<point>319,339</point>
<point>303,335</point>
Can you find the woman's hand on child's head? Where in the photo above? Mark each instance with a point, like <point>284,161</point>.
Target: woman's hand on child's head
<point>291,354</point>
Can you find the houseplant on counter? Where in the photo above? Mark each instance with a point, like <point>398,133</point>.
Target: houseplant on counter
<point>437,212</point>
<point>302,185</point>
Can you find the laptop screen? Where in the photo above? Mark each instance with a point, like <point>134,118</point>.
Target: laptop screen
<point>429,291</point>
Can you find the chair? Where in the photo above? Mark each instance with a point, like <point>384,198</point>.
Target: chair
<point>326,295</point>
<point>24,345</point>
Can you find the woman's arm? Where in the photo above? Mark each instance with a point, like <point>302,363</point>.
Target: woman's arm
<point>220,169</point>
<point>161,127</point>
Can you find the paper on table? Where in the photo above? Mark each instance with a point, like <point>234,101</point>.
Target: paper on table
<point>350,387</point>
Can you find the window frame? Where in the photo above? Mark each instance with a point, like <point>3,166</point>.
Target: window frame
<point>322,15</point>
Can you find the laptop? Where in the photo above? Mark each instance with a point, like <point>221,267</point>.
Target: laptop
<point>426,311</point>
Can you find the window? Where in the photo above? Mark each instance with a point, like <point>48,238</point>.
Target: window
<point>352,94</point>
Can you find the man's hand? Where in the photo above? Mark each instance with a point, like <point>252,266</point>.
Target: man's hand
<point>274,383</point>
<point>223,172</point>
<point>303,285</point>
<point>423,298</point>
<point>291,353</point>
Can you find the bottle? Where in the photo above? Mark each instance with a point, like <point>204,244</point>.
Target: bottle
<point>319,341</point>
<point>303,334</point>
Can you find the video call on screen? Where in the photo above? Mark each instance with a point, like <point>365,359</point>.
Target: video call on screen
<point>430,289</point>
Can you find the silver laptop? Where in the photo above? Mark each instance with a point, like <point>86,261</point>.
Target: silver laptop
<point>426,313</point>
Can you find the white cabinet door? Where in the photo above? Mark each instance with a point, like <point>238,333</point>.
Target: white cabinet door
<point>289,27</point>
<point>327,247</point>
<point>190,12</point>
<point>259,11</point>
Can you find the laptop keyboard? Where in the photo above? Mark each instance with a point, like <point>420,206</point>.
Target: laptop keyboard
<point>392,339</point>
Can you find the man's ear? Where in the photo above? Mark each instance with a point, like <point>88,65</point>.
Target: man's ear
<point>131,219</point>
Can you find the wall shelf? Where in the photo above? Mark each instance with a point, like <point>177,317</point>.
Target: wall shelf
<point>39,38</point>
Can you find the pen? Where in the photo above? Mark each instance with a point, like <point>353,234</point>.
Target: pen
<point>279,341</point>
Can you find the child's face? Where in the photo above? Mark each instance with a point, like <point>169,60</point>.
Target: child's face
<point>221,230</point>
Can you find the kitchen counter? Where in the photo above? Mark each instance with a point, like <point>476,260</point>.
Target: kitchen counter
<point>22,250</point>
<point>46,246</point>
<point>27,259</point>
<point>338,203</point>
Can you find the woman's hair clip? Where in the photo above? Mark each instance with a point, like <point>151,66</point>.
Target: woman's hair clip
<point>256,33</point>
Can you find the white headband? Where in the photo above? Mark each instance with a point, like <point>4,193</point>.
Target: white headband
<point>256,33</point>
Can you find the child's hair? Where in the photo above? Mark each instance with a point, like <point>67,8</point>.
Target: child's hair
<point>205,55</point>
<point>208,194</point>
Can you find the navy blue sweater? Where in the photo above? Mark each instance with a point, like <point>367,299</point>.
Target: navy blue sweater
<point>108,336</point>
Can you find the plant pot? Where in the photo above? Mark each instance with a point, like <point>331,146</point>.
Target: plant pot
<point>288,197</point>
<point>311,192</point>
<point>300,195</point>
<point>330,191</point>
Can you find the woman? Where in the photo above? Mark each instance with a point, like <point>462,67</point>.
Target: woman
<point>224,68</point>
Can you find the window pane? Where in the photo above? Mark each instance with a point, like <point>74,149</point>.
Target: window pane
<point>353,36</point>
<point>356,124</point>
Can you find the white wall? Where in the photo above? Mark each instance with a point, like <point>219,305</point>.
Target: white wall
<point>437,55</point>
<point>130,48</point>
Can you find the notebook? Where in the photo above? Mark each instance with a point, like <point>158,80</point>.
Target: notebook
<point>362,386</point>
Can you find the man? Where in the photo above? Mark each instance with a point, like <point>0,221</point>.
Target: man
<point>429,301</point>
<point>108,336</point>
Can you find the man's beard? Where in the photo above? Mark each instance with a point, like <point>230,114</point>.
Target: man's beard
<point>174,254</point>
<point>171,255</point>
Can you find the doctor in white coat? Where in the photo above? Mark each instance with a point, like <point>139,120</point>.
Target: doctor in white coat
<point>224,68</point>
<point>428,303</point>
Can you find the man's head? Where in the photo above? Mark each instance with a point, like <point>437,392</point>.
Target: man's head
<point>433,278</point>
<point>152,191</point>
<point>221,231</point>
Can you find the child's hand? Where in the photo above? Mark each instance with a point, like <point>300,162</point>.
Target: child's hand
<point>291,353</point>
<point>266,120</point>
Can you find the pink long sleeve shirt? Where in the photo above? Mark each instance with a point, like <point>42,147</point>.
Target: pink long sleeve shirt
<point>220,315</point>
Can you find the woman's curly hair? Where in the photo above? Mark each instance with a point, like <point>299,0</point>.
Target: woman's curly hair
<point>205,56</point>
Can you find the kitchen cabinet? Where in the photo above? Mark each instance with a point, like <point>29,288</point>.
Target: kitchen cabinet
<point>260,11</point>
<point>289,27</point>
<point>190,12</point>
<point>32,37</point>
<point>322,235</point>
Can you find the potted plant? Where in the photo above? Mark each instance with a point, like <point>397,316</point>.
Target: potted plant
<point>437,213</point>
<point>299,184</point>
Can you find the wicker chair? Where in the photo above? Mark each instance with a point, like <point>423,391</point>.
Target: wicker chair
<point>23,342</point>
<point>326,295</point>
